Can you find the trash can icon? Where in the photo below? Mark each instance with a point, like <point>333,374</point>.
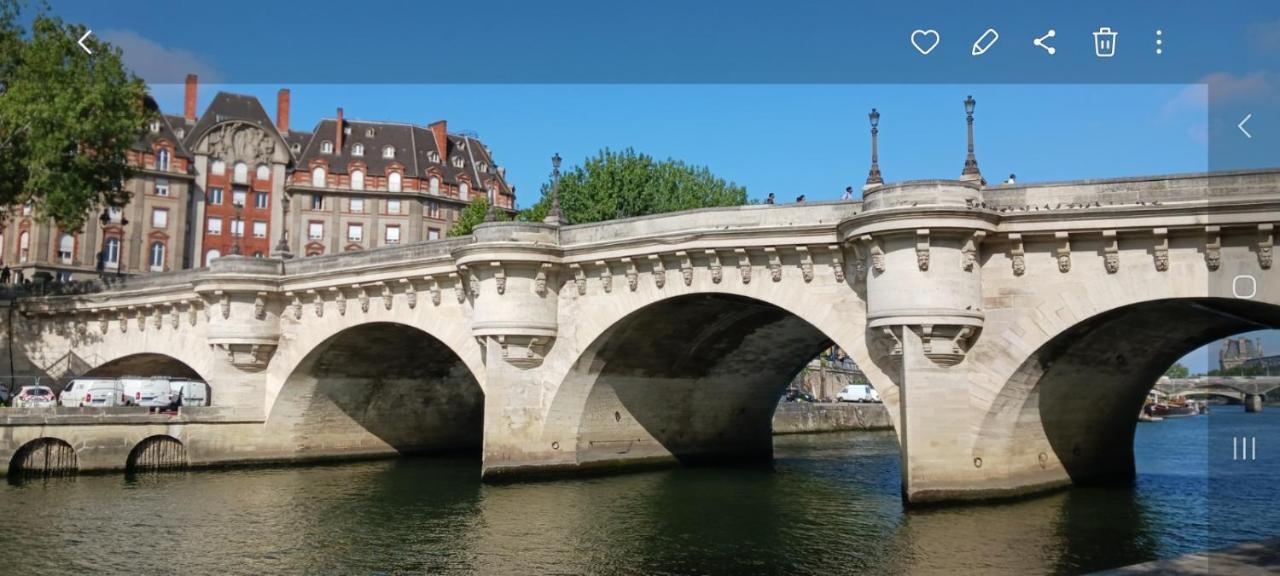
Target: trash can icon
<point>1104,42</point>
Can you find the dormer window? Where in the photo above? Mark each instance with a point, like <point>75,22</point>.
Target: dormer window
<point>357,150</point>
<point>393,182</point>
<point>326,147</point>
<point>180,133</point>
<point>162,159</point>
<point>155,126</point>
<point>346,130</point>
<point>457,161</point>
<point>433,156</point>
<point>464,190</point>
<point>369,133</point>
<point>388,152</point>
<point>357,180</point>
<point>296,148</point>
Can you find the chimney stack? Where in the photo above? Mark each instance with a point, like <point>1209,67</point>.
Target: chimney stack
<point>282,110</point>
<point>440,130</point>
<point>337,139</point>
<point>189,101</point>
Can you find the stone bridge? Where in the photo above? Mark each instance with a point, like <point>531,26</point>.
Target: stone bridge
<point>1012,332</point>
<point>1249,390</point>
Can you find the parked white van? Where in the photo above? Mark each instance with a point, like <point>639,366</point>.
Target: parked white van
<point>142,391</point>
<point>858,393</point>
<point>96,392</point>
<point>192,392</point>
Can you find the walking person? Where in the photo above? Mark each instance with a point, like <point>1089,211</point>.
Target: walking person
<point>4,275</point>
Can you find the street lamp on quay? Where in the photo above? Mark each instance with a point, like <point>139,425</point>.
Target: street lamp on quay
<point>555,216</point>
<point>237,229</point>
<point>873,178</point>
<point>970,171</point>
<point>104,219</point>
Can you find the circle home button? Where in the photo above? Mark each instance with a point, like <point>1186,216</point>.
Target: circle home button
<point>1244,286</point>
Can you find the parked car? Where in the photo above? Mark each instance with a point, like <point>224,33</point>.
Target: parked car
<point>35,397</point>
<point>858,393</point>
<point>140,391</point>
<point>799,396</point>
<point>192,392</point>
<point>97,392</point>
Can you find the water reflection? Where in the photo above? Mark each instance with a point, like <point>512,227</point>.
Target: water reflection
<point>828,505</point>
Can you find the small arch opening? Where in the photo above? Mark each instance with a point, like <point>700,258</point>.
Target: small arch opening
<point>157,454</point>
<point>43,458</point>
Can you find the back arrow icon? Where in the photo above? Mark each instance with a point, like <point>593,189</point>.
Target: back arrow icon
<point>81,42</point>
<point>1241,126</point>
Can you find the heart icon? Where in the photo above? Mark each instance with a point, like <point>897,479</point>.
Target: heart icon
<point>925,40</point>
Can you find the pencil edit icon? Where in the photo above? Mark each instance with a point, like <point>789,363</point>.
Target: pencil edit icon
<point>985,42</point>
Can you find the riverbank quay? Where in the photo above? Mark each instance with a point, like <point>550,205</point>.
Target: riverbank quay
<point>1259,557</point>
<point>811,417</point>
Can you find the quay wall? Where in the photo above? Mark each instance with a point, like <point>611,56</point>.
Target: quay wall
<point>805,417</point>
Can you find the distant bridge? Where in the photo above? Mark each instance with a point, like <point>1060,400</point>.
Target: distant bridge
<point>1250,390</point>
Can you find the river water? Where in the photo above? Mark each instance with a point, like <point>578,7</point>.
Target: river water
<point>828,505</point>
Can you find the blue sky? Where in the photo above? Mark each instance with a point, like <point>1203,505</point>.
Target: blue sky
<point>770,95</point>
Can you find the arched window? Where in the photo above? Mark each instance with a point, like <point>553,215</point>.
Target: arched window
<point>24,246</point>
<point>317,177</point>
<point>357,180</point>
<point>218,167</point>
<point>264,173</point>
<point>157,256</point>
<point>357,150</point>
<point>241,173</point>
<point>463,190</point>
<point>435,185</point>
<point>393,182</point>
<point>210,256</point>
<point>388,152</point>
<point>66,247</point>
<point>162,159</point>
<point>111,252</point>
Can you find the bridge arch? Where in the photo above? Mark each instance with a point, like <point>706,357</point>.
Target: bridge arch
<point>379,386</point>
<point>695,375</point>
<point>157,453</point>
<point>43,457</point>
<point>1079,390</point>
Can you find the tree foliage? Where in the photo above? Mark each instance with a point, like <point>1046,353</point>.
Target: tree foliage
<point>1178,371</point>
<point>67,119</point>
<point>473,215</point>
<point>623,184</point>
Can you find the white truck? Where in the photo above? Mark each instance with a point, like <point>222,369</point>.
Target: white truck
<point>858,393</point>
<point>95,392</point>
<point>142,391</point>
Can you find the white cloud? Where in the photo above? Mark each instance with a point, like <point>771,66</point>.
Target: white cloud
<point>1265,37</point>
<point>1224,88</point>
<point>158,64</point>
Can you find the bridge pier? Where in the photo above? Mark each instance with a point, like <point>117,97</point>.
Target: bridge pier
<point>1252,402</point>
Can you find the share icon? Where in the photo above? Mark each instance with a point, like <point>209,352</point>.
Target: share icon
<point>1040,42</point>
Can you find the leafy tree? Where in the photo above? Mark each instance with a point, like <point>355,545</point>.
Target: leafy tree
<point>623,184</point>
<point>472,215</point>
<point>1178,371</point>
<point>67,119</point>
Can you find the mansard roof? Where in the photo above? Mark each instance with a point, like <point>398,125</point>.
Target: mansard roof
<point>413,146</point>
<point>226,107</point>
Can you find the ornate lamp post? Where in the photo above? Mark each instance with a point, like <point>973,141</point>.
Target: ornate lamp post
<point>282,247</point>
<point>555,216</point>
<point>491,215</point>
<point>970,162</point>
<point>873,178</point>
<point>104,219</point>
<point>237,229</point>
